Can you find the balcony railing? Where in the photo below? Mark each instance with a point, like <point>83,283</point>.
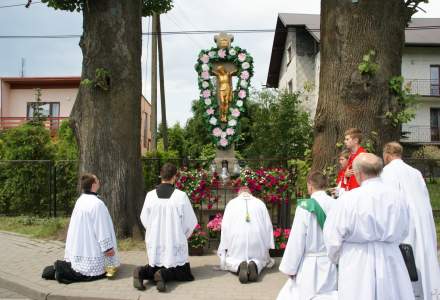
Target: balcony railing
<point>420,134</point>
<point>423,87</point>
<point>51,123</point>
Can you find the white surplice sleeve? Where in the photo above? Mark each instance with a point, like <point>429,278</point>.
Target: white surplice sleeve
<point>335,229</point>
<point>189,217</point>
<point>103,227</point>
<point>296,244</point>
<point>145,213</point>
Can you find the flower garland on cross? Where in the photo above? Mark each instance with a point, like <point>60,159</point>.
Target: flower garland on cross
<point>224,132</point>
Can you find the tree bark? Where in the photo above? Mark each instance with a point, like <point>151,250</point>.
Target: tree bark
<point>347,98</point>
<point>107,122</point>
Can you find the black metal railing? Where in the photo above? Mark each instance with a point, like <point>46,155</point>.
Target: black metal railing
<point>423,87</point>
<point>420,134</point>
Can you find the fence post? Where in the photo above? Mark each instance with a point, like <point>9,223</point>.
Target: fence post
<point>50,188</point>
<point>54,190</point>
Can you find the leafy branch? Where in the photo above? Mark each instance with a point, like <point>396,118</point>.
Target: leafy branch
<point>368,66</point>
<point>405,100</point>
<point>102,80</point>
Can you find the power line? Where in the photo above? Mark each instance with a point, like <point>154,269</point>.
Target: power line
<point>16,5</point>
<point>188,32</point>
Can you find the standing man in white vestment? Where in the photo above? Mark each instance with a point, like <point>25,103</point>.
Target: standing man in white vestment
<point>305,259</point>
<point>169,221</point>
<point>362,234</point>
<point>246,237</point>
<point>91,242</point>
<point>422,234</point>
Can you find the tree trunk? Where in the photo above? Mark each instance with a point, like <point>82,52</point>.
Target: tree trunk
<point>107,118</point>
<point>347,98</point>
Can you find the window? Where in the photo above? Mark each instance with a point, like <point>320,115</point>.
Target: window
<point>435,124</point>
<point>435,80</point>
<point>290,86</point>
<point>49,110</point>
<point>289,54</point>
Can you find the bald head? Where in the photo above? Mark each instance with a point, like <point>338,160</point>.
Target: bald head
<point>367,165</point>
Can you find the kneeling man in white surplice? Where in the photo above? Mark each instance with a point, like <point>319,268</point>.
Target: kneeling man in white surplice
<point>246,237</point>
<point>311,273</point>
<point>169,221</point>
<point>362,234</point>
<point>91,242</point>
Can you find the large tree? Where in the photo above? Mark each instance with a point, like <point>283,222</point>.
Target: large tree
<point>361,53</point>
<point>106,116</point>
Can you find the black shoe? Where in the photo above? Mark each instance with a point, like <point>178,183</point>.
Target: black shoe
<point>137,279</point>
<point>253,271</point>
<point>243,272</point>
<point>160,282</point>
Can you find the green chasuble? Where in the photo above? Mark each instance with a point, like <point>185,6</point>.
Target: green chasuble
<point>313,207</point>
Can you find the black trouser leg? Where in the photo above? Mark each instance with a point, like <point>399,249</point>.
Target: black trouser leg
<point>65,274</point>
<point>179,273</point>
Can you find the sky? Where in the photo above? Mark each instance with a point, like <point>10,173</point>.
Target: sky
<point>62,57</point>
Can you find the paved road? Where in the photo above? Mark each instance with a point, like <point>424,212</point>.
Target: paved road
<point>23,259</point>
<point>8,294</point>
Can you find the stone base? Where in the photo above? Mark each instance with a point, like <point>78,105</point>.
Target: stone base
<point>227,155</point>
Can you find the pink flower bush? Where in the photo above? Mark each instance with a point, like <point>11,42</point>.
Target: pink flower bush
<point>241,57</point>
<point>198,238</point>
<point>281,236</point>
<point>215,225</point>
<point>210,111</point>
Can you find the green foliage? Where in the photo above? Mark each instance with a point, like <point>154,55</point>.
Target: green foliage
<point>280,128</point>
<point>37,110</point>
<point>301,169</point>
<point>208,152</point>
<point>101,80</point>
<point>148,6</point>
<point>66,168</point>
<point>24,186</point>
<point>406,102</point>
<point>368,66</point>
<point>369,141</point>
<point>152,164</point>
<point>196,133</point>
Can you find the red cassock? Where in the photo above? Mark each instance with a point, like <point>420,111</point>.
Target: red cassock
<point>352,182</point>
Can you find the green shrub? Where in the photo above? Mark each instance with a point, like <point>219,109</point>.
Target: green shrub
<point>24,185</point>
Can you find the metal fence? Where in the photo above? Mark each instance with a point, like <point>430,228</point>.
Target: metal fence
<point>50,188</point>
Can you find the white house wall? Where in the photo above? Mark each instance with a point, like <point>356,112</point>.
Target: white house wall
<point>288,72</point>
<point>18,99</point>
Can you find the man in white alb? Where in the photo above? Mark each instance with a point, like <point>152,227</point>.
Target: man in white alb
<point>422,234</point>
<point>169,221</point>
<point>305,261</point>
<point>362,234</point>
<point>246,237</point>
<point>91,242</point>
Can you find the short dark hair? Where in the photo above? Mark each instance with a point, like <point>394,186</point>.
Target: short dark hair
<point>354,133</point>
<point>345,154</point>
<point>87,180</point>
<point>317,180</point>
<point>167,171</point>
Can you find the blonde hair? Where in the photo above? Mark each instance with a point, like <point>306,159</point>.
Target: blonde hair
<point>393,148</point>
<point>354,133</point>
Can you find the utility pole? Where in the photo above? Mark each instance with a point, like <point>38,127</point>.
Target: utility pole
<point>153,119</point>
<point>162,86</point>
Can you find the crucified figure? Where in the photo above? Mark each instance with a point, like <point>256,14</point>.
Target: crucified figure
<point>224,90</point>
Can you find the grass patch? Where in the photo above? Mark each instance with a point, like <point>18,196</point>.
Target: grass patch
<point>434,194</point>
<point>55,229</point>
<point>43,228</point>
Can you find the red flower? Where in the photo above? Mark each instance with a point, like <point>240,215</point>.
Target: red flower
<point>282,246</point>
